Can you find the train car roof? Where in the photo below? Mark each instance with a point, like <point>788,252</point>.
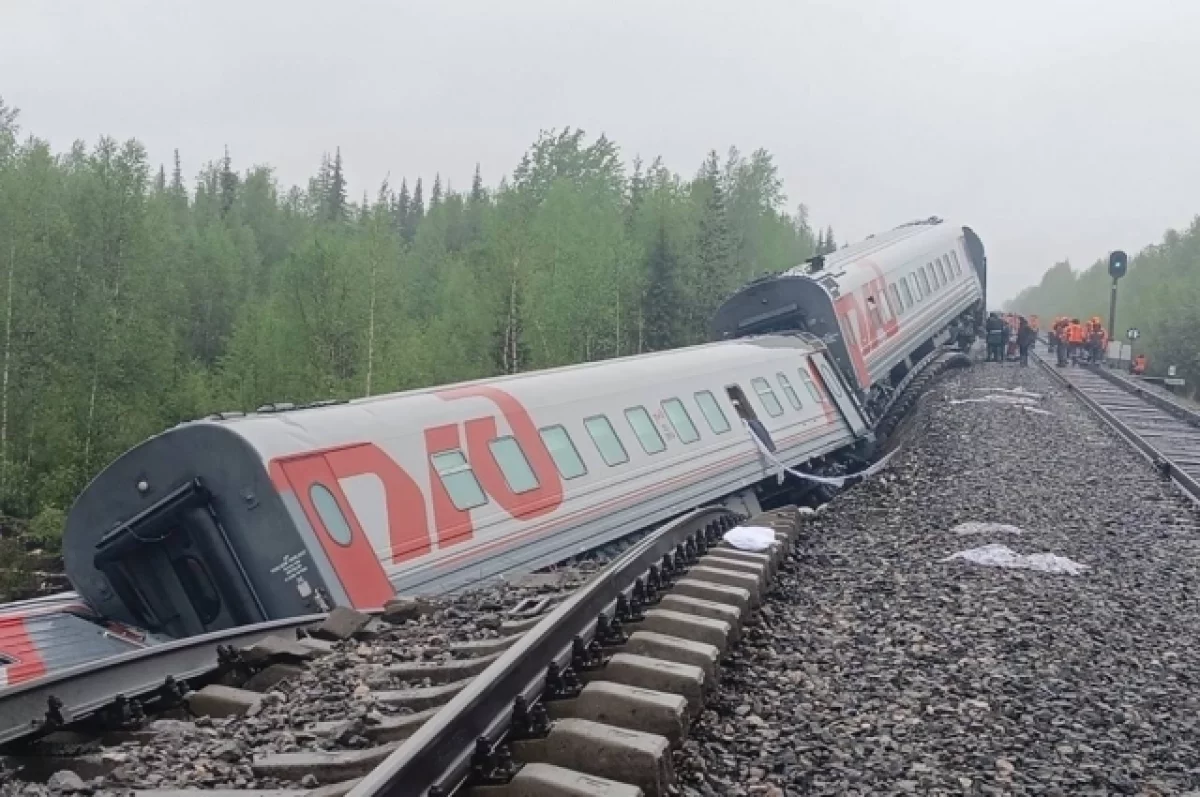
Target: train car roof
<point>598,377</point>
<point>838,264</point>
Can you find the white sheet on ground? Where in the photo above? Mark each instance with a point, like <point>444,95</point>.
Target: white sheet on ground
<point>996,555</point>
<point>750,538</point>
<point>985,527</point>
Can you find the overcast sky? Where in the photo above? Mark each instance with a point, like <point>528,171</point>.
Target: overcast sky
<point>1056,129</point>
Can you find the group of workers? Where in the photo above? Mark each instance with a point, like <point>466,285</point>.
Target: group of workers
<point>1003,344</point>
<point>1074,341</point>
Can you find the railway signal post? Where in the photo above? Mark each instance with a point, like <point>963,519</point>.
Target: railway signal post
<point>1118,264</point>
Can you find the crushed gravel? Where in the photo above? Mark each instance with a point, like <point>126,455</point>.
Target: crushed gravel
<point>882,667</point>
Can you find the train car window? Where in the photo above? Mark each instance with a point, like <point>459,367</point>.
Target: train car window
<point>331,514</point>
<point>933,280</point>
<point>954,261</point>
<point>7,661</point>
<point>830,380</point>
<point>788,390</point>
<point>513,464</point>
<point>812,386</point>
<point>924,281</point>
<point>908,297</point>
<point>767,396</point>
<point>643,426</point>
<point>563,452</point>
<point>459,480</point>
<point>605,437</point>
<point>199,586</point>
<point>892,294</point>
<point>741,405</point>
<point>941,267</point>
<point>712,412</point>
<point>677,414</point>
<point>916,286</point>
<point>876,311</point>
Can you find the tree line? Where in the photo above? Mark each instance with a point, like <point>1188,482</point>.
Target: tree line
<point>134,297</point>
<point>1160,296</point>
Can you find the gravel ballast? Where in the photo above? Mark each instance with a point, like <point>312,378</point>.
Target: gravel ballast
<point>880,667</point>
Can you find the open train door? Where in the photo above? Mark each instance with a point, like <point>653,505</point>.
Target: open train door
<point>843,399</point>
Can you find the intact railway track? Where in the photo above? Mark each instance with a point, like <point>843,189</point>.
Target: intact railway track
<point>1165,431</point>
<point>579,693</point>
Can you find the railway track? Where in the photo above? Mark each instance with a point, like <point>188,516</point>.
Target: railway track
<point>584,691</point>
<point>1165,431</point>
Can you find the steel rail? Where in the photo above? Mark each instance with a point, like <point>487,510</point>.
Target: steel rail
<point>81,691</point>
<point>1162,462</point>
<point>438,758</point>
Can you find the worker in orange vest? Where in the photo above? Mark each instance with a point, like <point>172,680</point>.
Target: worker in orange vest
<point>1075,340</point>
<point>1061,346</point>
<point>1138,366</point>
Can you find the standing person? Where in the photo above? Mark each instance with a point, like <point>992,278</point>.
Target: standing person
<point>1062,347</point>
<point>1075,338</point>
<point>1026,337</point>
<point>995,338</point>
<point>1006,331</point>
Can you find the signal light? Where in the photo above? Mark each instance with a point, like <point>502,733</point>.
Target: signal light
<point>1118,263</point>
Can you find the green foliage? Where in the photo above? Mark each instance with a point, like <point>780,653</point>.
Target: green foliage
<point>1160,295</point>
<point>129,302</point>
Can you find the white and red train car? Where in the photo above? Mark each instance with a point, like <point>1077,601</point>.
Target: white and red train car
<point>282,512</point>
<point>879,305</point>
<point>57,632</point>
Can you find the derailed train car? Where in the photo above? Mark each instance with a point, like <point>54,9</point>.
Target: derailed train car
<point>285,511</point>
<point>879,305</point>
<point>239,517</point>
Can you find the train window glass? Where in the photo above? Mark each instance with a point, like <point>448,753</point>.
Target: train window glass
<point>513,464</point>
<point>767,396</point>
<point>331,514</point>
<point>830,380</point>
<point>562,451</point>
<point>812,387</point>
<point>201,591</point>
<point>712,412</point>
<point>7,661</point>
<point>643,426</point>
<point>459,480</point>
<point>876,311</point>
<point>788,390</point>
<point>941,267</point>
<point>741,405</point>
<point>605,437</point>
<point>892,294</point>
<point>907,293</point>
<point>933,280</point>
<point>924,281</point>
<point>954,260</point>
<point>677,414</point>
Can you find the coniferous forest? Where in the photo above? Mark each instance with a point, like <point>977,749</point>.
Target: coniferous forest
<point>1160,296</point>
<point>137,295</point>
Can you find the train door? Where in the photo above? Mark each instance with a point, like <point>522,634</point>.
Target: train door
<point>338,530</point>
<point>173,566</point>
<point>842,397</point>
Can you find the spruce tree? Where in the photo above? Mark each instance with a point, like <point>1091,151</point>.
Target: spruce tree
<point>661,304</point>
<point>714,249</point>
<point>435,196</point>
<point>160,182</point>
<point>830,243</point>
<point>336,192</point>
<point>477,192</point>
<point>228,184</point>
<point>416,211</point>
<point>402,207</point>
